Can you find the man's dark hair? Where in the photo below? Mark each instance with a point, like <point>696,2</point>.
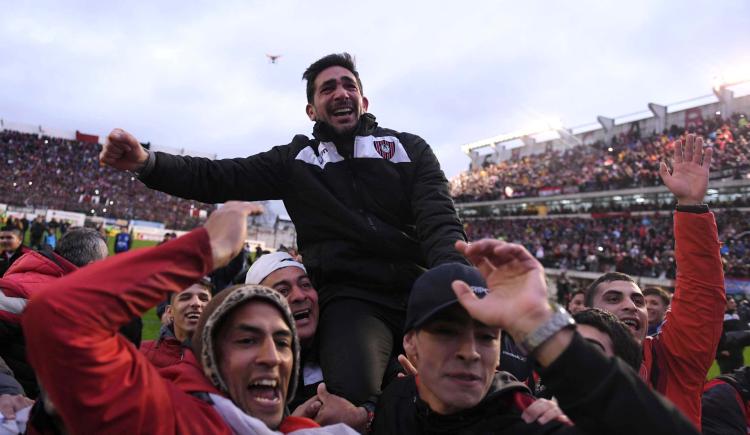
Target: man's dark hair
<point>660,292</point>
<point>205,282</point>
<point>588,300</point>
<point>623,343</point>
<point>81,246</point>
<point>12,229</point>
<point>344,60</point>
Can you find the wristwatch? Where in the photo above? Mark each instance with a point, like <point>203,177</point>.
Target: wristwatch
<point>694,208</point>
<point>560,320</point>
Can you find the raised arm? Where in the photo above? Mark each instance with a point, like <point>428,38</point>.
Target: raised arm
<point>99,382</point>
<point>692,329</point>
<point>599,394</point>
<point>258,177</point>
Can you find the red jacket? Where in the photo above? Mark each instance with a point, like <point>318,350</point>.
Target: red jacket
<point>676,361</point>
<point>23,279</point>
<point>165,351</point>
<point>99,382</point>
<point>26,275</point>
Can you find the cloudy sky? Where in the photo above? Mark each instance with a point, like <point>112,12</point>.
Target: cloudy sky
<point>195,74</point>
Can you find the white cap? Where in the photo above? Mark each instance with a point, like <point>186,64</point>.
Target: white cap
<point>269,263</point>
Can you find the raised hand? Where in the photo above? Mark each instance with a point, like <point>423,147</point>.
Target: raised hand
<point>688,180</point>
<point>517,298</point>
<point>123,151</point>
<point>227,230</point>
<point>409,369</point>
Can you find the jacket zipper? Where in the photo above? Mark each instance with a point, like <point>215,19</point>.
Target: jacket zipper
<point>359,195</point>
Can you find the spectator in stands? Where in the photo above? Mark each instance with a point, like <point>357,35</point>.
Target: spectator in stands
<point>281,272</point>
<point>657,303</point>
<point>729,353</point>
<point>726,404</point>
<point>183,310</point>
<point>123,240</point>
<point>576,302</point>
<point>397,222</point>
<point>79,247</point>
<point>167,237</point>
<point>38,227</point>
<point>630,161</point>
<point>38,176</point>
<point>245,341</point>
<point>676,361</point>
<point>11,247</point>
<point>452,338</point>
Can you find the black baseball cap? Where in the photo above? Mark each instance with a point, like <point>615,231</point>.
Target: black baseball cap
<point>432,292</point>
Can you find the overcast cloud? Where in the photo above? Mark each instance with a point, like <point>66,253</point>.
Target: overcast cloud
<point>195,75</point>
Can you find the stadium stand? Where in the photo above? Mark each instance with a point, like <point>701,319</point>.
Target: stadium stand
<point>49,172</point>
<point>590,202</point>
<point>628,161</point>
<point>639,245</point>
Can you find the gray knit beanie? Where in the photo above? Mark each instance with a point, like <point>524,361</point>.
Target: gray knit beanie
<point>218,309</point>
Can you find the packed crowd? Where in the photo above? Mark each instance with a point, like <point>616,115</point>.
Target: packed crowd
<point>628,161</point>
<point>391,323</point>
<point>635,245</point>
<point>46,172</point>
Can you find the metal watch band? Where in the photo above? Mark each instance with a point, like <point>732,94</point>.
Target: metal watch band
<point>560,320</point>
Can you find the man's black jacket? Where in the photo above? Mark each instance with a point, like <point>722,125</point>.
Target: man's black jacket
<point>600,395</point>
<point>371,212</point>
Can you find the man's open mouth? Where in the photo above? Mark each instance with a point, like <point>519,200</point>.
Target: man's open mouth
<point>302,314</point>
<point>265,391</point>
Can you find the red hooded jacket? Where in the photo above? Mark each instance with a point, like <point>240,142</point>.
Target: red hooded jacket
<point>99,382</point>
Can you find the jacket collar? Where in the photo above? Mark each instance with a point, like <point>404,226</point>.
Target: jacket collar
<point>498,400</point>
<point>324,132</point>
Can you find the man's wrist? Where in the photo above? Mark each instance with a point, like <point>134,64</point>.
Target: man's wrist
<point>530,323</point>
<point>559,320</point>
<point>691,207</point>
<point>364,420</point>
<point>148,164</point>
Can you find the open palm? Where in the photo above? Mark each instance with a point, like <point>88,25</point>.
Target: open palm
<point>688,180</point>
<point>515,279</point>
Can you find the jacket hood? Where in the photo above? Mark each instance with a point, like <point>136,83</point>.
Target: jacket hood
<point>203,343</point>
<point>36,267</point>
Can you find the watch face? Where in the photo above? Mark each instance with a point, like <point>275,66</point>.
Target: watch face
<point>559,320</point>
